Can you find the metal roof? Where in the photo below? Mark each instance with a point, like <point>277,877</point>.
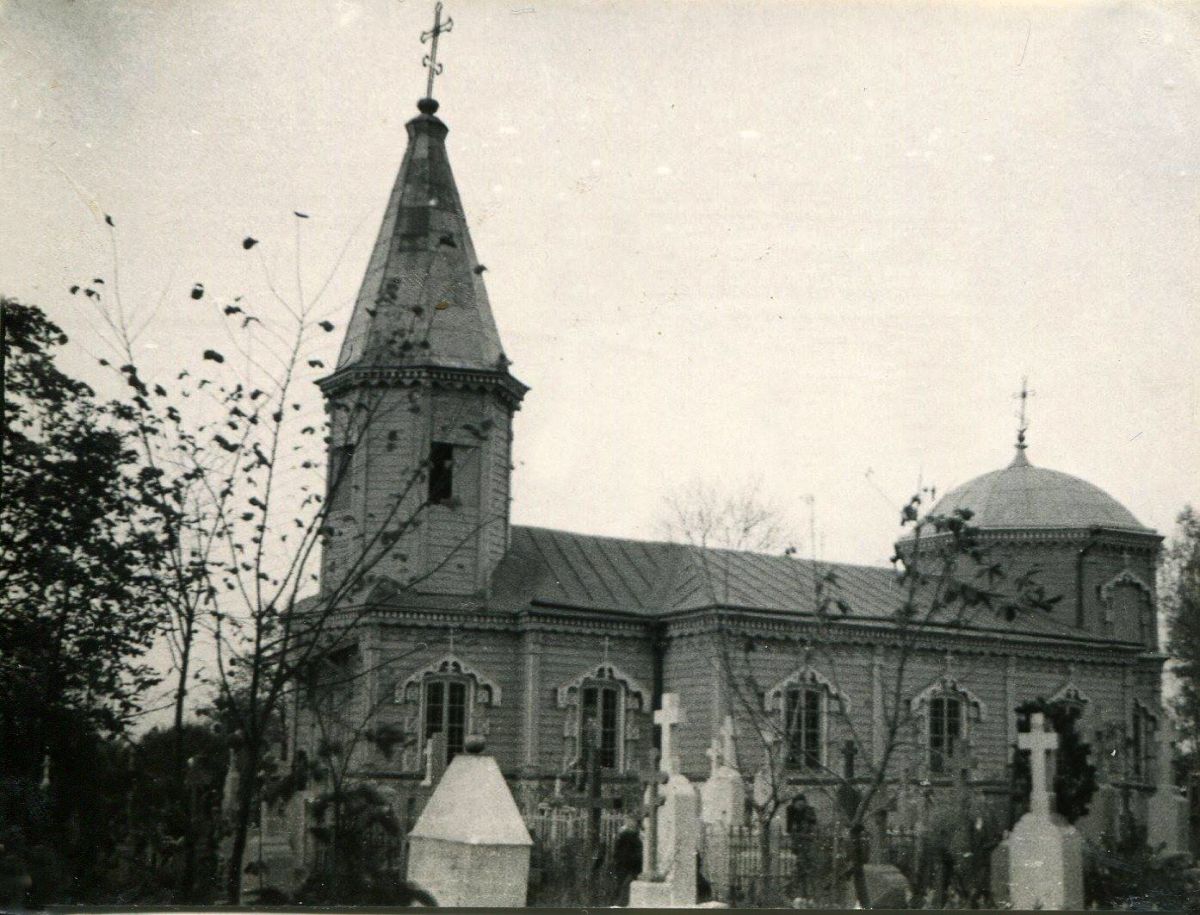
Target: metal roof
<point>565,570</point>
<point>1024,496</point>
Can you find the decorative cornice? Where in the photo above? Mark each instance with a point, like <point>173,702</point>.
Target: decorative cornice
<point>869,632</point>
<point>509,388</point>
<point>1147,539</point>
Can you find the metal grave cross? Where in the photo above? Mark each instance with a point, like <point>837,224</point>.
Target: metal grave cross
<point>666,718</point>
<point>592,797</point>
<point>430,61</point>
<point>1038,742</point>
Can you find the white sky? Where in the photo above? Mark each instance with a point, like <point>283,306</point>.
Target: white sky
<point>785,241</point>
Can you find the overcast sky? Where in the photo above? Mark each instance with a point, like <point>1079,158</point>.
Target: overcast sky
<point>800,242</point>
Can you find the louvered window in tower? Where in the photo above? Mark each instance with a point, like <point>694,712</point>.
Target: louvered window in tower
<point>441,472</point>
<point>338,484</point>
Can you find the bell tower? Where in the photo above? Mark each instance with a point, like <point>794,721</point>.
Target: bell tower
<point>422,400</point>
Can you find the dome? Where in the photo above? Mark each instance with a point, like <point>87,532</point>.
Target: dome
<point>1024,496</point>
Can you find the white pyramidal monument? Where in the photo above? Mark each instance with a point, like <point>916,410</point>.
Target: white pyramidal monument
<point>470,846</point>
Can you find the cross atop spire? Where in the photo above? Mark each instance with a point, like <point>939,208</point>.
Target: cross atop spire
<point>429,105</point>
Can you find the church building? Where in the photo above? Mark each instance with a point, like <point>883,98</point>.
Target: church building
<point>547,641</point>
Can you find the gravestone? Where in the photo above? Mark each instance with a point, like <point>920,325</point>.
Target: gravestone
<point>723,795</point>
<point>1167,816</point>
<point>470,846</point>
<point>887,888</point>
<point>677,827</point>
<point>722,806</point>
<point>1040,864</point>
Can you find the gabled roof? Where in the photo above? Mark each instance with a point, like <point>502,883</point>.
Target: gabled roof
<point>560,569</point>
<point>422,300</point>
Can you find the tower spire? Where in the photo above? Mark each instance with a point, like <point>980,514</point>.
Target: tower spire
<point>428,105</point>
<point>1022,421</point>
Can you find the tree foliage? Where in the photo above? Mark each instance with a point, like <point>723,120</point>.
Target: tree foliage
<point>80,550</point>
<point>1075,780</point>
<point>1179,594</point>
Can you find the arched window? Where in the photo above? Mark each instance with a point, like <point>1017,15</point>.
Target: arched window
<point>948,711</point>
<point>802,702</point>
<point>448,698</point>
<point>600,704</point>
<point>446,704</point>
<point>603,705</point>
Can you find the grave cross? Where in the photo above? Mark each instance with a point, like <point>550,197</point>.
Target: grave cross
<point>652,799</point>
<point>714,755</point>
<point>592,799</point>
<point>435,758</point>
<point>666,718</point>
<point>1038,742</point>
<point>728,747</point>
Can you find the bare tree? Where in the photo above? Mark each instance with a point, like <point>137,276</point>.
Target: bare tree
<point>234,435</point>
<point>943,577</point>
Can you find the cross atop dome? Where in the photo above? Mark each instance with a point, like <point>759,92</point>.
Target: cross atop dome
<point>1022,423</point>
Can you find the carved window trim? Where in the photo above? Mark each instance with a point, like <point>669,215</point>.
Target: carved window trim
<point>1124,577</point>
<point>482,693</point>
<point>632,697</point>
<point>487,690</point>
<point>1070,695</point>
<point>971,709</point>
<point>806,678</point>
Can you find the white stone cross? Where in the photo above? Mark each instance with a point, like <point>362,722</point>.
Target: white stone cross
<point>1038,742</point>
<point>666,718</point>
<point>714,756</point>
<point>428,754</point>
<point>728,747</point>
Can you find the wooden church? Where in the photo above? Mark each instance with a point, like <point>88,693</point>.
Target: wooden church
<point>546,640</point>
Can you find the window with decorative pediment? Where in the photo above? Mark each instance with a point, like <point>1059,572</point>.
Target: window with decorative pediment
<point>1129,607</point>
<point>449,698</point>
<point>603,705</point>
<point>1070,696</point>
<point>803,703</point>
<point>947,711</point>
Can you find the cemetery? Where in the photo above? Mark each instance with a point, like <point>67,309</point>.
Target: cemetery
<point>328,607</point>
<point>700,845</point>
